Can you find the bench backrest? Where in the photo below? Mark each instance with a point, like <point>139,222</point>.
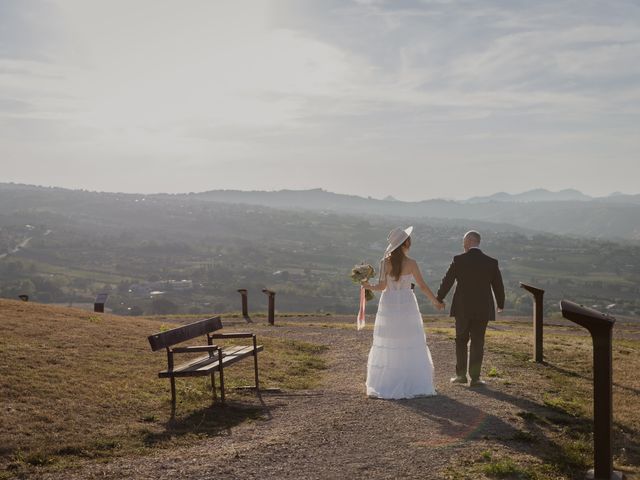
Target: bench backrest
<point>184,333</point>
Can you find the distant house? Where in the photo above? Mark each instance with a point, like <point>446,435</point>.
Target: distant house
<point>141,289</point>
<point>180,285</point>
<point>283,274</point>
<point>159,287</point>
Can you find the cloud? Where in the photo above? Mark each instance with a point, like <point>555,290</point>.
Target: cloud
<point>291,82</point>
<point>9,105</point>
<point>28,29</point>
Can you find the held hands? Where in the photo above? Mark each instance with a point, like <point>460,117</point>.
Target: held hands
<point>438,304</point>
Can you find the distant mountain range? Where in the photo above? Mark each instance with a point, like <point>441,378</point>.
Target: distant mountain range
<point>568,212</point>
<point>537,195</point>
<point>565,212</point>
<point>543,195</point>
<point>319,198</point>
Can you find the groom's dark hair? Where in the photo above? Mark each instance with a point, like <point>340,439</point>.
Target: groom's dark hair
<point>473,234</point>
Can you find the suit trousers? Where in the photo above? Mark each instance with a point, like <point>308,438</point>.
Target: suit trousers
<point>470,329</point>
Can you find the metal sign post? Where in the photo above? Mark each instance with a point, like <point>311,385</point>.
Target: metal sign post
<point>538,313</point>
<point>600,327</point>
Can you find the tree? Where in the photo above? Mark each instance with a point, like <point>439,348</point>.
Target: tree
<point>14,269</point>
<point>163,306</point>
<point>123,287</point>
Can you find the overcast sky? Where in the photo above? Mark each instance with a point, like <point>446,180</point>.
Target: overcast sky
<point>415,99</point>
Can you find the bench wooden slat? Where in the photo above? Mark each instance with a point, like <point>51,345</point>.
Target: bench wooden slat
<point>232,335</point>
<point>233,356</point>
<point>235,349</point>
<point>204,365</point>
<point>196,362</point>
<point>183,333</point>
<point>195,349</point>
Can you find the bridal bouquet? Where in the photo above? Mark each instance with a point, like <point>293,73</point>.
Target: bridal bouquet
<point>361,273</point>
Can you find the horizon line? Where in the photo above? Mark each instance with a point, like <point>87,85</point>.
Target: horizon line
<point>388,197</point>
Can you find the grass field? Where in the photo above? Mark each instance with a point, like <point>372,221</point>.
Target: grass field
<point>81,385</point>
<point>78,385</point>
<point>559,435</point>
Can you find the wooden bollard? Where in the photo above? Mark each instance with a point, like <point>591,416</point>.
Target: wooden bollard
<point>245,305</point>
<point>272,305</point>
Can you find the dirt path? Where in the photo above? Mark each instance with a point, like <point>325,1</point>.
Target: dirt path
<point>336,431</point>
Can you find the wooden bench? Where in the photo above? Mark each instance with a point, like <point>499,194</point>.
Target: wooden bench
<point>215,359</point>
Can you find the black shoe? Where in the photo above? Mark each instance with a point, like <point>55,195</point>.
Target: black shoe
<point>458,380</point>
<point>477,383</point>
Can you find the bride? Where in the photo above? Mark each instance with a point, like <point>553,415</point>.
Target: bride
<point>399,364</point>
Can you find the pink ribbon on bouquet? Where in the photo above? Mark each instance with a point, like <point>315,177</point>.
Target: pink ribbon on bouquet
<point>363,301</point>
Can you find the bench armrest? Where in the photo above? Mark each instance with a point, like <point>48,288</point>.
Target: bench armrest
<point>232,335</point>
<point>196,348</point>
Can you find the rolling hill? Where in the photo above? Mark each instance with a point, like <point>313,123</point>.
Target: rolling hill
<point>65,246</point>
<point>568,212</point>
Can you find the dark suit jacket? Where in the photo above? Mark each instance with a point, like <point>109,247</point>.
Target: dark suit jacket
<point>476,275</point>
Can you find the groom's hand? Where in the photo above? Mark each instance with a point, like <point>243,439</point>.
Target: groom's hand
<point>499,310</point>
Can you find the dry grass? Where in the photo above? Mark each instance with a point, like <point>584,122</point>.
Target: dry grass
<point>81,385</point>
<point>557,405</point>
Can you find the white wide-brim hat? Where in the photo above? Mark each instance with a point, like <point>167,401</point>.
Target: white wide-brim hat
<point>396,237</point>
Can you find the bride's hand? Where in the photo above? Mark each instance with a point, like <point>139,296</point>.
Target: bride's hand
<point>365,284</point>
<point>438,304</point>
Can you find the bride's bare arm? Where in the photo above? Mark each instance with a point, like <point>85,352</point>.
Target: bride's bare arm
<point>423,285</point>
<point>381,285</point>
<point>378,286</point>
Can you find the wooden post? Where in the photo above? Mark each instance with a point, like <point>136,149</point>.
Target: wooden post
<point>245,307</point>
<point>272,304</point>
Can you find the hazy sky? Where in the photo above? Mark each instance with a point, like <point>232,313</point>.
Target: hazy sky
<point>415,99</point>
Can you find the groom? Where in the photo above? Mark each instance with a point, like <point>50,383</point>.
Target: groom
<point>476,275</point>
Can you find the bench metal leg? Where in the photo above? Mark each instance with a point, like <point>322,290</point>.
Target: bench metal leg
<point>221,370</point>
<point>255,367</point>
<point>173,396</point>
<point>213,376</point>
<point>213,386</point>
<point>255,362</point>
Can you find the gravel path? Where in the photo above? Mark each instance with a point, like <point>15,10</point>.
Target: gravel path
<point>335,431</point>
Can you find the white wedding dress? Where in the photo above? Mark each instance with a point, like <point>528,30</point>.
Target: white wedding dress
<point>400,364</point>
